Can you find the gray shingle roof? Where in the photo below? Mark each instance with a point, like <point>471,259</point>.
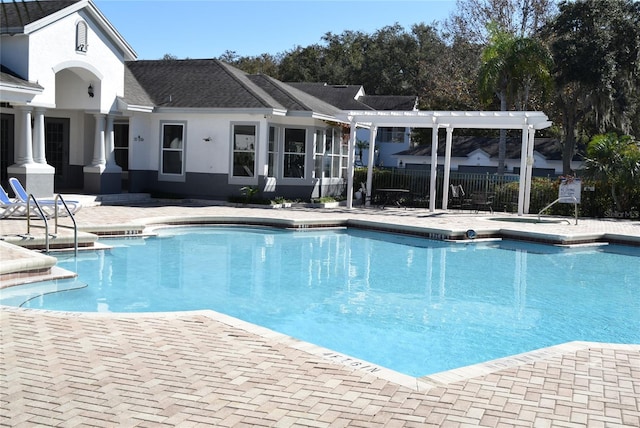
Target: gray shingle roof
<point>194,83</point>
<point>210,83</point>
<point>15,15</point>
<point>390,102</point>
<point>134,93</point>
<point>7,76</point>
<point>348,97</point>
<point>341,96</point>
<point>293,98</point>
<point>461,146</point>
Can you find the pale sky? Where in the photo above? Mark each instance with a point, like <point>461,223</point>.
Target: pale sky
<point>208,28</point>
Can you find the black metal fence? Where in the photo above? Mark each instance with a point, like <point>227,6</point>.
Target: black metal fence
<point>503,190</point>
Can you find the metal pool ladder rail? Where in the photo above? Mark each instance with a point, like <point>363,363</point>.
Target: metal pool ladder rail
<point>571,199</point>
<point>46,222</point>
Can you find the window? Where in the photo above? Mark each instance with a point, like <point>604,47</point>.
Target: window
<point>335,154</point>
<point>319,155</point>
<point>244,150</point>
<point>81,37</point>
<point>172,156</point>
<point>390,135</point>
<point>121,145</point>
<point>273,152</point>
<point>294,152</point>
<point>344,152</point>
<point>331,153</point>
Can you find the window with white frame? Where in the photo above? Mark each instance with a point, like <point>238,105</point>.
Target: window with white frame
<point>244,150</point>
<point>390,135</point>
<point>81,37</point>
<point>319,154</point>
<point>272,160</point>
<point>172,156</point>
<point>334,153</point>
<point>294,153</point>
<point>343,136</point>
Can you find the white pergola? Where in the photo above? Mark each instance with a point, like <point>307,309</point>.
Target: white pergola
<point>527,121</point>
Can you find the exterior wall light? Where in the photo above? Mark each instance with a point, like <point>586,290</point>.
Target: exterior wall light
<point>138,138</point>
<point>90,90</point>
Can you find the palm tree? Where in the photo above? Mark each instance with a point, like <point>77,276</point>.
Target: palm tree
<point>616,161</point>
<point>510,68</point>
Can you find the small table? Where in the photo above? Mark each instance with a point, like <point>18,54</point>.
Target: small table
<point>391,196</point>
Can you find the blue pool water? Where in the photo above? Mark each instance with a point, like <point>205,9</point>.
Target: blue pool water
<point>414,305</point>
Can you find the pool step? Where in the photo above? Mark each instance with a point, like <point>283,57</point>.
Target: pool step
<point>63,239</point>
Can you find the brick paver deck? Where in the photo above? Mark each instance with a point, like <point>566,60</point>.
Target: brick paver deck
<point>206,369</point>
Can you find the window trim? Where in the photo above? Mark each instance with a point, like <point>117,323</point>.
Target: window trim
<point>162,176</point>
<point>275,173</point>
<point>238,179</point>
<point>305,153</point>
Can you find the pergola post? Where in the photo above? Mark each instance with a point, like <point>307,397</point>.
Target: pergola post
<point>523,170</point>
<point>447,167</point>
<point>434,165</point>
<point>529,173</point>
<point>350,165</point>
<point>373,132</point>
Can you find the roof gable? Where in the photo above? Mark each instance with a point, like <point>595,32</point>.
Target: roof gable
<point>25,17</point>
<point>17,15</point>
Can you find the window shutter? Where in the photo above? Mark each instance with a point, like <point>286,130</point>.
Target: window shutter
<point>81,37</point>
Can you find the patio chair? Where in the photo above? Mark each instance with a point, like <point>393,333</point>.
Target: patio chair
<point>458,198</point>
<point>10,207</point>
<point>49,206</point>
<point>482,201</point>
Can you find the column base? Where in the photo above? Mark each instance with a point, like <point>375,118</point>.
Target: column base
<point>36,178</point>
<point>100,180</point>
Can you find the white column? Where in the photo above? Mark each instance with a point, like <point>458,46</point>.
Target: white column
<point>434,166</point>
<point>109,142</point>
<point>447,169</point>
<point>351,159</point>
<point>529,172</point>
<point>98,142</point>
<point>373,132</point>
<point>24,151</point>
<point>39,155</point>
<point>523,168</point>
<point>110,146</point>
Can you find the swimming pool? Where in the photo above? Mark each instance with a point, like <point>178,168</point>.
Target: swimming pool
<point>414,305</point>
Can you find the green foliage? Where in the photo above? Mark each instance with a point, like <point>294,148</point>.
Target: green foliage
<point>596,50</point>
<point>615,161</point>
<point>324,200</point>
<point>249,193</point>
<point>511,66</point>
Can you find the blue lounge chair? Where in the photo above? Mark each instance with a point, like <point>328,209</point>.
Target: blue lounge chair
<point>10,207</point>
<point>48,205</point>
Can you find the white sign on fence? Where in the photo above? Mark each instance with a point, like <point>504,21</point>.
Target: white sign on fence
<point>569,192</point>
